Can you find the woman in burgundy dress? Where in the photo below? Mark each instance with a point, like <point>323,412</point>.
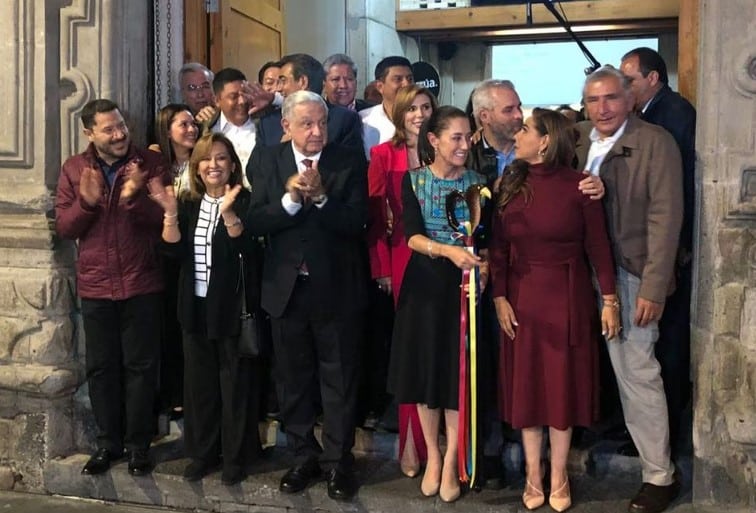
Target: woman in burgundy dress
<point>388,249</point>
<point>546,235</point>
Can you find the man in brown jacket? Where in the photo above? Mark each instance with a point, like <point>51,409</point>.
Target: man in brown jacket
<point>642,171</point>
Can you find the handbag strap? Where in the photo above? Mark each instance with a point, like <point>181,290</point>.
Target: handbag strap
<point>242,281</point>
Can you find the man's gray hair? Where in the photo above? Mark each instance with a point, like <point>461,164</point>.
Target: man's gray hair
<point>481,95</point>
<point>299,98</point>
<point>195,66</point>
<point>337,59</point>
<point>608,71</point>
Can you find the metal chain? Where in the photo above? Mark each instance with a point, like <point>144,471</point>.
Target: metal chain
<point>168,57</point>
<point>158,83</point>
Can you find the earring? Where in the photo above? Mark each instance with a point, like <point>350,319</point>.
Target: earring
<point>542,152</point>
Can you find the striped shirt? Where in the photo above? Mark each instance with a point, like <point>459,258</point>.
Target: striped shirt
<point>207,221</point>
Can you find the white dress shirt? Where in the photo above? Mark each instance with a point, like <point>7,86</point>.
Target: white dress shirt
<point>600,147</point>
<point>377,128</point>
<point>289,205</point>
<point>242,137</point>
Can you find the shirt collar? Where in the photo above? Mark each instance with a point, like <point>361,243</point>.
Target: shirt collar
<point>224,123</point>
<point>608,140</point>
<point>299,157</point>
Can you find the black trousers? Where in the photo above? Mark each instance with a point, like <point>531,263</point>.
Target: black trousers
<point>221,399</point>
<point>317,352</point>
<point>172,352</point>
<point>122,362</point>
<point>673,352</point>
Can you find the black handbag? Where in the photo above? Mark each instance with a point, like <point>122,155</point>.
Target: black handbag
<point>250,343</point>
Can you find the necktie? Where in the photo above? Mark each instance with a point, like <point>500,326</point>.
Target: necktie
<point>307,163</point>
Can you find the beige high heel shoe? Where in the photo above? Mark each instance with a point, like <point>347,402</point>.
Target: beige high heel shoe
<point>560,499</point>
<point>429,485</point>
<point>532,497</point>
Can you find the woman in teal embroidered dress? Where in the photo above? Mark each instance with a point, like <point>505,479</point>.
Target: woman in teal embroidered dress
<point>425,349</point>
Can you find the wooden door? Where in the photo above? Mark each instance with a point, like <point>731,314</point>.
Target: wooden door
<point>243,34</point>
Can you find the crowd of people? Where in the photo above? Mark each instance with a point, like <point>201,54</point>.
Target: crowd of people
<point>326,217</point>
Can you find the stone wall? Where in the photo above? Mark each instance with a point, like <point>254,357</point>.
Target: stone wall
<point>725,312</point>
<point>63,54</point>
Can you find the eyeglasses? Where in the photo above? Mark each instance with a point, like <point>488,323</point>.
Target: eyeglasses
<point>193,88</point>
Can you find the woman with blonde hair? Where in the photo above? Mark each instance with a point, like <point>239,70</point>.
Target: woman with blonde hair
<point>204,230</point>
<point>388,250</point>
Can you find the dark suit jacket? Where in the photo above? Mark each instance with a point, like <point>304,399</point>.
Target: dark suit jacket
<point>675,114</point>
<point>329,239</point>
<point>360,104</point>
<point>344,128</point>
<point>223,300</point>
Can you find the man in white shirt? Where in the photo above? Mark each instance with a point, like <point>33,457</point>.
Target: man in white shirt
<point>234,120</point>
<point>391,74</point>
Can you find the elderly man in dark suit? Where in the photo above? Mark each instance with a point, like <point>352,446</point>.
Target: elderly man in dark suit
<point>302,72</point>
<point>657,103</point>
<point>642,171</point>
<point>310,200</point>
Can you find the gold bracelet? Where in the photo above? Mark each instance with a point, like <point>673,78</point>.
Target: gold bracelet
<point>235,223</point>
<point>167,215</point>
<point>612,304</point>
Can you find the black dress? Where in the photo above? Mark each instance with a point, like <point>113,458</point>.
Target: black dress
<point>425,346</point>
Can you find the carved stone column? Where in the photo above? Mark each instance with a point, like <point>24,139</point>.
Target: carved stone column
<point>62,53</point>
<point>725,312</point>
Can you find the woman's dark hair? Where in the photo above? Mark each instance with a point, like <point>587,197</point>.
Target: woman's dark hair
<point>437,123</point>
<point>402,103</point>
<point>163,127</point>
<point>559,153</point>
<point>202,151</point>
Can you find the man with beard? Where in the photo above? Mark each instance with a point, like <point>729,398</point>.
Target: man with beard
<point>102,203</point>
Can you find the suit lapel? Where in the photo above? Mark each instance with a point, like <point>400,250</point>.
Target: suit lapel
<point>287,166</point>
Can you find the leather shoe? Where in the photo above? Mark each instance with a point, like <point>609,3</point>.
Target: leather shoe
<point>139,463</point>
<point>341,484</point>
<point>299,477</point>
<point>493,477</point>
<point>654,499</point>
<point>628,449</point>
<point>98,463</point>
<point>198,469</point>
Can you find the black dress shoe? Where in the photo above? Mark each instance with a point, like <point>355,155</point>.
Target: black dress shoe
<point>654,499</point>
<point>492,477</point>
<point>232,475</point>
<point>341,484</point>
<point>139,463</point>
<point>299,477</point>
<point>628,449</point>
<point>98,463</point>
<point>198,469</point>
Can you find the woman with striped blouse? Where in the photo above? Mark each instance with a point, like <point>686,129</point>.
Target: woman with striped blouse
<point>203,228</point>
